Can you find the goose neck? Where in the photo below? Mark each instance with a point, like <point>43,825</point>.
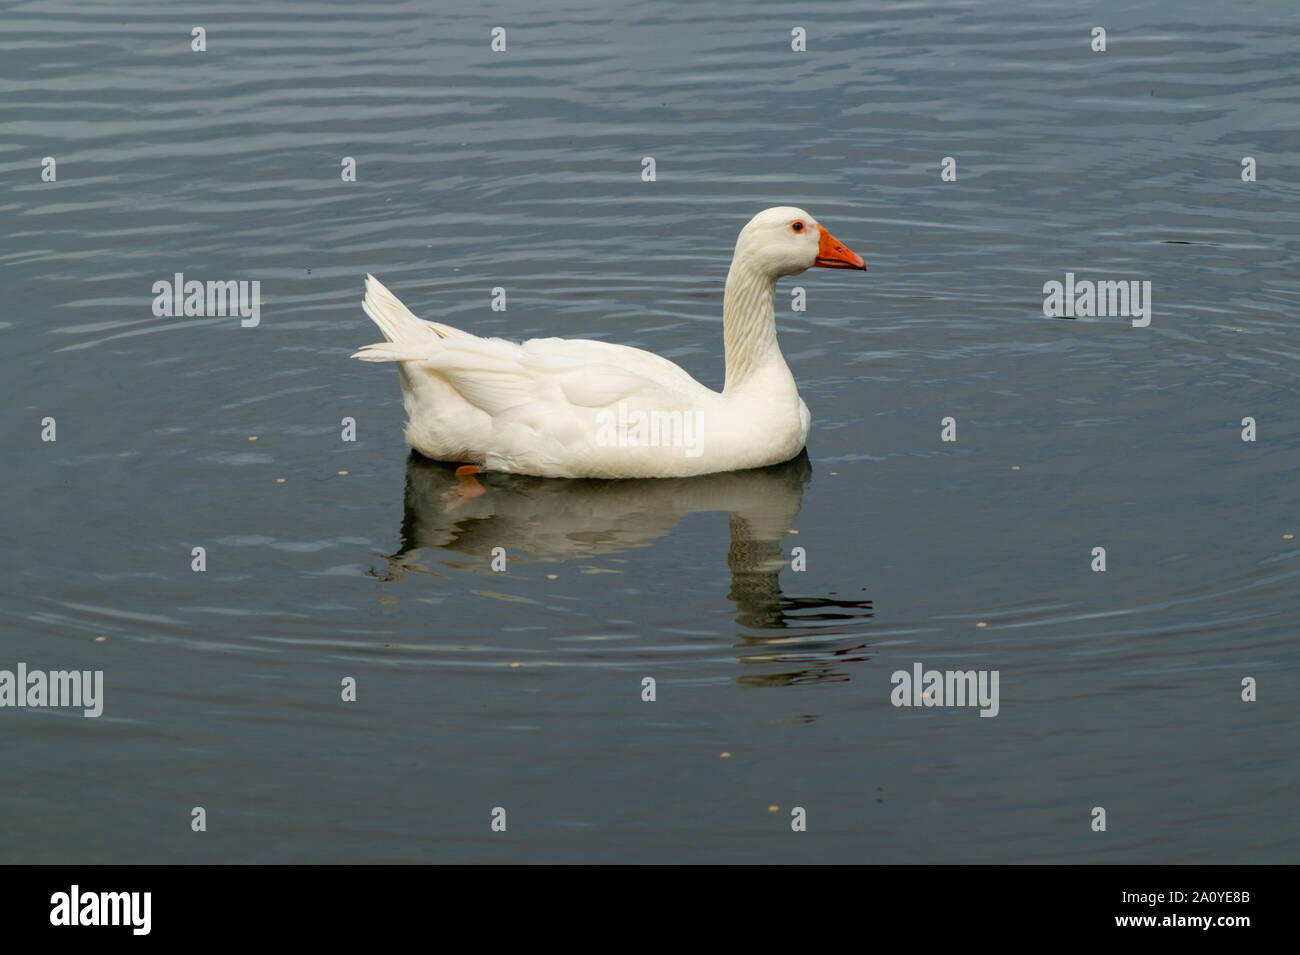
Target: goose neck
<point>748,322</point>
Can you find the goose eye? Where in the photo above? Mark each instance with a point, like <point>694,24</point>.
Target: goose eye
<point>798,227</point>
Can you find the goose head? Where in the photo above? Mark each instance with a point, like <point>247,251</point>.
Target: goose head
<point>785,240</point>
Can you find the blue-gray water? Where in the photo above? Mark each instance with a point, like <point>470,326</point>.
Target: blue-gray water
<point>522,690</point>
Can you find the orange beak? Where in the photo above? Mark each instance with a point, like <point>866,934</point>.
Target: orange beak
<point>831,254</point>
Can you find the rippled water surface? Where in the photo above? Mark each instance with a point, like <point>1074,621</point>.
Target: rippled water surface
<point>329,559</point>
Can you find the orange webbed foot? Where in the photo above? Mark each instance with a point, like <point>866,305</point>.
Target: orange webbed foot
<point>467,490</point>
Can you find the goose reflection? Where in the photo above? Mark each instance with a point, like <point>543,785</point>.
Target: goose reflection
<point>547,519</point>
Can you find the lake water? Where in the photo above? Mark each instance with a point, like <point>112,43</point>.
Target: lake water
<point>522,690</point>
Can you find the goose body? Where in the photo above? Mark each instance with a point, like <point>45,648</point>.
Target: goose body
<point>577,408</point>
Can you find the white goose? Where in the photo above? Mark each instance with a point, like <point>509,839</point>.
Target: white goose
<point>575,408</point>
